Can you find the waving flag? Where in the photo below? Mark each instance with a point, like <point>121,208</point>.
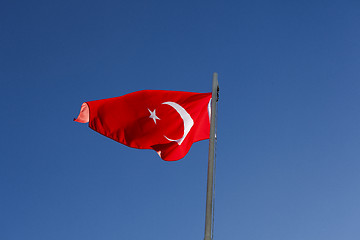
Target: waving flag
<point>168,122</point>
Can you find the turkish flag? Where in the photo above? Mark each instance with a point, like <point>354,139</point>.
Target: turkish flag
<point>167,121</point>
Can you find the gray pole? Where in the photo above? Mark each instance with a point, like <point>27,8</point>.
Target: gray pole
<point>210,175</point>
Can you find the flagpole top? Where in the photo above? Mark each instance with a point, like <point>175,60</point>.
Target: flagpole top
<point>215,86</point>
<point>215,77</point>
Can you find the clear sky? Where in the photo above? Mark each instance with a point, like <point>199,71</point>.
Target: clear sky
<point>288,156</point>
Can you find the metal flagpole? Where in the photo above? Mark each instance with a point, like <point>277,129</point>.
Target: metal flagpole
<point>210,175</point>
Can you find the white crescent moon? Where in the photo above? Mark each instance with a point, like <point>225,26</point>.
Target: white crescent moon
<point>188,121</point>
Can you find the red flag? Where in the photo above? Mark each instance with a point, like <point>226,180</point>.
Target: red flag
<point>167,121</point>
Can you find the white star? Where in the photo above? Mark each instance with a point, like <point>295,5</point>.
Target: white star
<point>153,115</point>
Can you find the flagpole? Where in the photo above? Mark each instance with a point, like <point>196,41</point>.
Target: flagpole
<point>210,175</point>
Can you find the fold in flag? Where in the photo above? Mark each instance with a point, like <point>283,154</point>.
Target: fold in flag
<point>168,122</point>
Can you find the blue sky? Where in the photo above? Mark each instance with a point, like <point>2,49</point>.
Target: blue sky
<point>288,125</point>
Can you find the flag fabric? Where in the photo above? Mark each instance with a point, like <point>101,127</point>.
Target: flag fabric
<point>168,122</point>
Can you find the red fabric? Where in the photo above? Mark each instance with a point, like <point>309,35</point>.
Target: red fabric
<point>167,121</point>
